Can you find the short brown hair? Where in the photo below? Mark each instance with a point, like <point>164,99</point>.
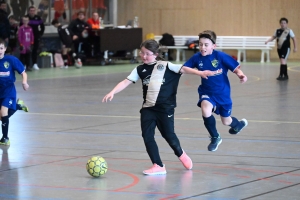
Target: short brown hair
<point>209,35</point>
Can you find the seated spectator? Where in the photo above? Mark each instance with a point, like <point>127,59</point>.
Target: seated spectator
<point>79,29</point>
<point>94,21</point>
<point>43,9</point>
<point>59,7</point>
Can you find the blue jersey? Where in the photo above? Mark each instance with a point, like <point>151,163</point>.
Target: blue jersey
<point>218,85</point>
<point>8,66</point>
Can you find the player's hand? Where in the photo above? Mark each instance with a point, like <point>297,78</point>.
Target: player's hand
<point>75,37</point>
<point>25,86</point>
<point>107,97</point>
<point>243,78</point>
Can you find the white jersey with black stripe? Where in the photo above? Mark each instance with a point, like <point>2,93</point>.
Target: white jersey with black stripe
<point>160,81</point>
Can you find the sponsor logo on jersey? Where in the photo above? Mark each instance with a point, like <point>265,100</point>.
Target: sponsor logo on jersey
<point>2,74</point>
<point>144,70</point>
<point>146,80</point>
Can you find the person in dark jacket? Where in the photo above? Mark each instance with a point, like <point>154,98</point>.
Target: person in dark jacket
<point>38,27</point>
<point>4,22</point>
<point>79,29</point>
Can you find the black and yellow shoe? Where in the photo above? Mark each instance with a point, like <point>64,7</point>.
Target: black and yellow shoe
<point>4,141</point>
<point>22,105</point>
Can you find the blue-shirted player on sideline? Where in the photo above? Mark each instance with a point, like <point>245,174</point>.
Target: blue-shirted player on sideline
<point>8,101</point>
<point>214,93</point>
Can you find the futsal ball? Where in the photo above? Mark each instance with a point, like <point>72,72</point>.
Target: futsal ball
<point>96,166</point>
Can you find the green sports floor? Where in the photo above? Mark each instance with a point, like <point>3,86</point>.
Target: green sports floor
<point>67,124</point>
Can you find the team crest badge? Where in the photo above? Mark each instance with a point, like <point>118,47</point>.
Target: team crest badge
<point>214,63</point>
<point>6,65</point>
<point>160,67</point>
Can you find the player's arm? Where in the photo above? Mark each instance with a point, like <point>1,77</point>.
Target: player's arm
<point>295,43</point>
<point>203,74</point>
<point>243,78</point>
<point>118,88</point>
<point>270,39</point>
<point>24,81</point>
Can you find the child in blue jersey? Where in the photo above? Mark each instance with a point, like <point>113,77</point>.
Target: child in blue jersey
<point>214,93</point>
<point>160,81</point>
<point>8,95</point>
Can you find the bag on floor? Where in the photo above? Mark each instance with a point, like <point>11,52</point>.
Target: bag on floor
<point>58,60</point>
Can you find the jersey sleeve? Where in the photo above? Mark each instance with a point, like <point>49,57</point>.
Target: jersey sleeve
<point>18,66</point>
<point>191,62</point>
<point>229,62</point>
<point>174,67</point>
<point>292,33</point>
<point>133,76</point>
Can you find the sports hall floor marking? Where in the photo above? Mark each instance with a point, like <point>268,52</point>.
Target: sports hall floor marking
<point>137,117</point>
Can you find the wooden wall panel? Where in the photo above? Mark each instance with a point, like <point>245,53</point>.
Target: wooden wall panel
<point>225,17</point>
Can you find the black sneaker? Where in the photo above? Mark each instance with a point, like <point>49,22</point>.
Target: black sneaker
<point>236,131</point>
<point>279,78</point>
<point>285,78</point>
<point>4,141</point>
<point>215,142</point>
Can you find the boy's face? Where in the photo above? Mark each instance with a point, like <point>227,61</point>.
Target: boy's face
<point>2,50</point>
<point>206,46</point>
<point>147,56</point>
<point>25,20</point>
<point>81,16</point>
<point>12,21</point>
<point>283,24</point>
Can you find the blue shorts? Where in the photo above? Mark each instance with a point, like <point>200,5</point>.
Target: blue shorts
<point>10,103</point>
<point>224,110</point>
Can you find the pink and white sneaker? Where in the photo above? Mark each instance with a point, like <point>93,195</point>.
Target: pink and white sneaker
<point>186,161</point>
<point>155,170</point>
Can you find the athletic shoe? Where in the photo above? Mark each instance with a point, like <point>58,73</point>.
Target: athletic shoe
<point>155,170</point>
<point>215,142</point>
<point>235,131</point>
<point>279,78</point>
<point>186,161</point>
<point>64,67</point>
<point>35,67</point>
<point>22,105</point>
<point>4,141</point>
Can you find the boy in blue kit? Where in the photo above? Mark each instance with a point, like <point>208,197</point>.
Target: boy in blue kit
<point>214,93</point>
<point>8,101</point>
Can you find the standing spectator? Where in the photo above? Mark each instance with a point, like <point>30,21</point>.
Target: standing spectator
<point>5,7</point>
<point>43,9</point>
<point>59,7</point>
<point>283,36</point>
<point>78,28</point>
<point>19,7</point>
<point>13,38</point>
<point>26,40</point>
<point>4,23</point>
<point>38,27</point>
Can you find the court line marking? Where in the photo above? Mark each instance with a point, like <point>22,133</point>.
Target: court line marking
<point>138,117</point>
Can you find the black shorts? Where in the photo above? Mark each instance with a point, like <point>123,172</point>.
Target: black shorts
<point>283,53</point>
<point>67,44</point>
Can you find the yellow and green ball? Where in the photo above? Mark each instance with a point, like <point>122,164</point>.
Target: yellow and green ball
<point>96,166</point>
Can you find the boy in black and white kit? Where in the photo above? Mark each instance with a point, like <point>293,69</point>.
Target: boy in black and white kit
<point>66,38</point>
<point>160,81</point>
<point>283,36</point>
